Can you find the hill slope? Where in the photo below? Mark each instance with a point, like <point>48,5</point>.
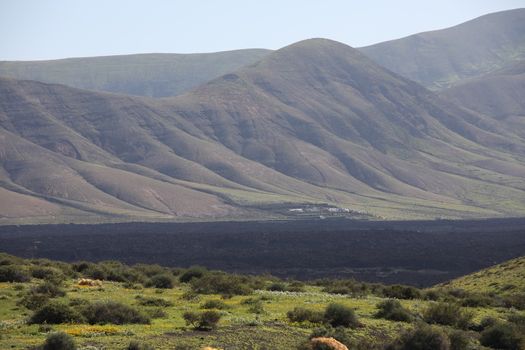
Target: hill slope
<point>441,58</point>
<point>498,95</point>
<point>505,278</point>
<point>154,75</point>
<point>315,122</point>
<point>320,111</point>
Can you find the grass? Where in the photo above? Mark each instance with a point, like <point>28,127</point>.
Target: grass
<point>505,278</point>
<point>240,326</point>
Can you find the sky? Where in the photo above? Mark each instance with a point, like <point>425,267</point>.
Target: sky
<point>49,29</point>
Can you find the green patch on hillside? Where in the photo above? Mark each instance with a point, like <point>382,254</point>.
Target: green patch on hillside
<point>503,279</point>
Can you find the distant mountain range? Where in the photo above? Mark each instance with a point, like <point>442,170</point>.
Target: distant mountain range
<point>441,58</point>
<point>154,75</point>
<point>257,133</point>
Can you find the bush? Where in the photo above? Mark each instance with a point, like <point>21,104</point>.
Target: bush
<point>458,340</point>
<point>257,308</point>
<point>517,319</point>
<point>163,281</point>
<point>146,301</point>
<point>192,273</point>
<point>393,310</point>
<point>296,286</point>
<point>502,336</point>
<point>38,296</point>
<point>432,294</point>
<point>516,301</point>
<point>33,301</point>
<point>156,313</point>
<point>50,274</point>
<point>477,300</point>
<point>214,304</point>
<point>301,314</point>
<point>48,288</point>
<point>345,287</point>
<point>422,338</point>
<point>135,345</point>
<point>54,313</point>
<point>13,273</point>
<point>221,284</point>
<point>277,287</point>
<point>59,341</point>
<point>340,315</point>
<point>112,312</point>
<point>205,321</point>
<point>447,314</point>
<point>398,291</point>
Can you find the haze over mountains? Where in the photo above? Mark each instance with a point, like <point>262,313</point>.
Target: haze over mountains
<point>316,122</point>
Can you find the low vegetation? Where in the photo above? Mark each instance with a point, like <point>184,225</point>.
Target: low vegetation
<point>53,305</point>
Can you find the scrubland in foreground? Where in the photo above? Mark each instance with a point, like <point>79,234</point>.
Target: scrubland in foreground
<point>109,305</point>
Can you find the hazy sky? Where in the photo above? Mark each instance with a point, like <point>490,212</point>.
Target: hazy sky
<point>43,29</point>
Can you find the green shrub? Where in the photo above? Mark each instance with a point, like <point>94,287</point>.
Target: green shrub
<point>135,345</point>
<point>393,310</point>
<point>502,336</point>
<point>13,273</point>
<point>147,301</point>
<point>447,314</point>
<point>422,338</point>
<point>296,286</point>
<point>55,312</point>
<point>517,319</point>
<point>193,272</point>
<point>351,287</point>
<point>277,287</point>
<point>214,304</point>
<point>156,313</point>
<point>48,288</point>
<point>432,294</point>
<point>59,341</point>
<point>33,301</point>
<point>112,312</point>
<point>301,314</point>
<point>516,301</point>
<point>477,300</point>
<point>94,271</point>
<point>163,281</point>
<point>205,321</point>
<point>458,340</point>
<point>39,295</point>
<point>257,308</point>
<point>340,315</point>
<point>50,274</point>
<point>398,291</point>
<point>221,284</point>
<point>150,270</point>
<point>487,322</point>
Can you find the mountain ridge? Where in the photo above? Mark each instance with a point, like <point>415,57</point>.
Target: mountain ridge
<point>314,123</point>
<point>440,58</point>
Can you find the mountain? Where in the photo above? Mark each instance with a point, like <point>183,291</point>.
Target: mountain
<point>435,59</point>
<point>316,122</point>
<point>441,58</point>
<point>498,94</point>
<point>154,75</point>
